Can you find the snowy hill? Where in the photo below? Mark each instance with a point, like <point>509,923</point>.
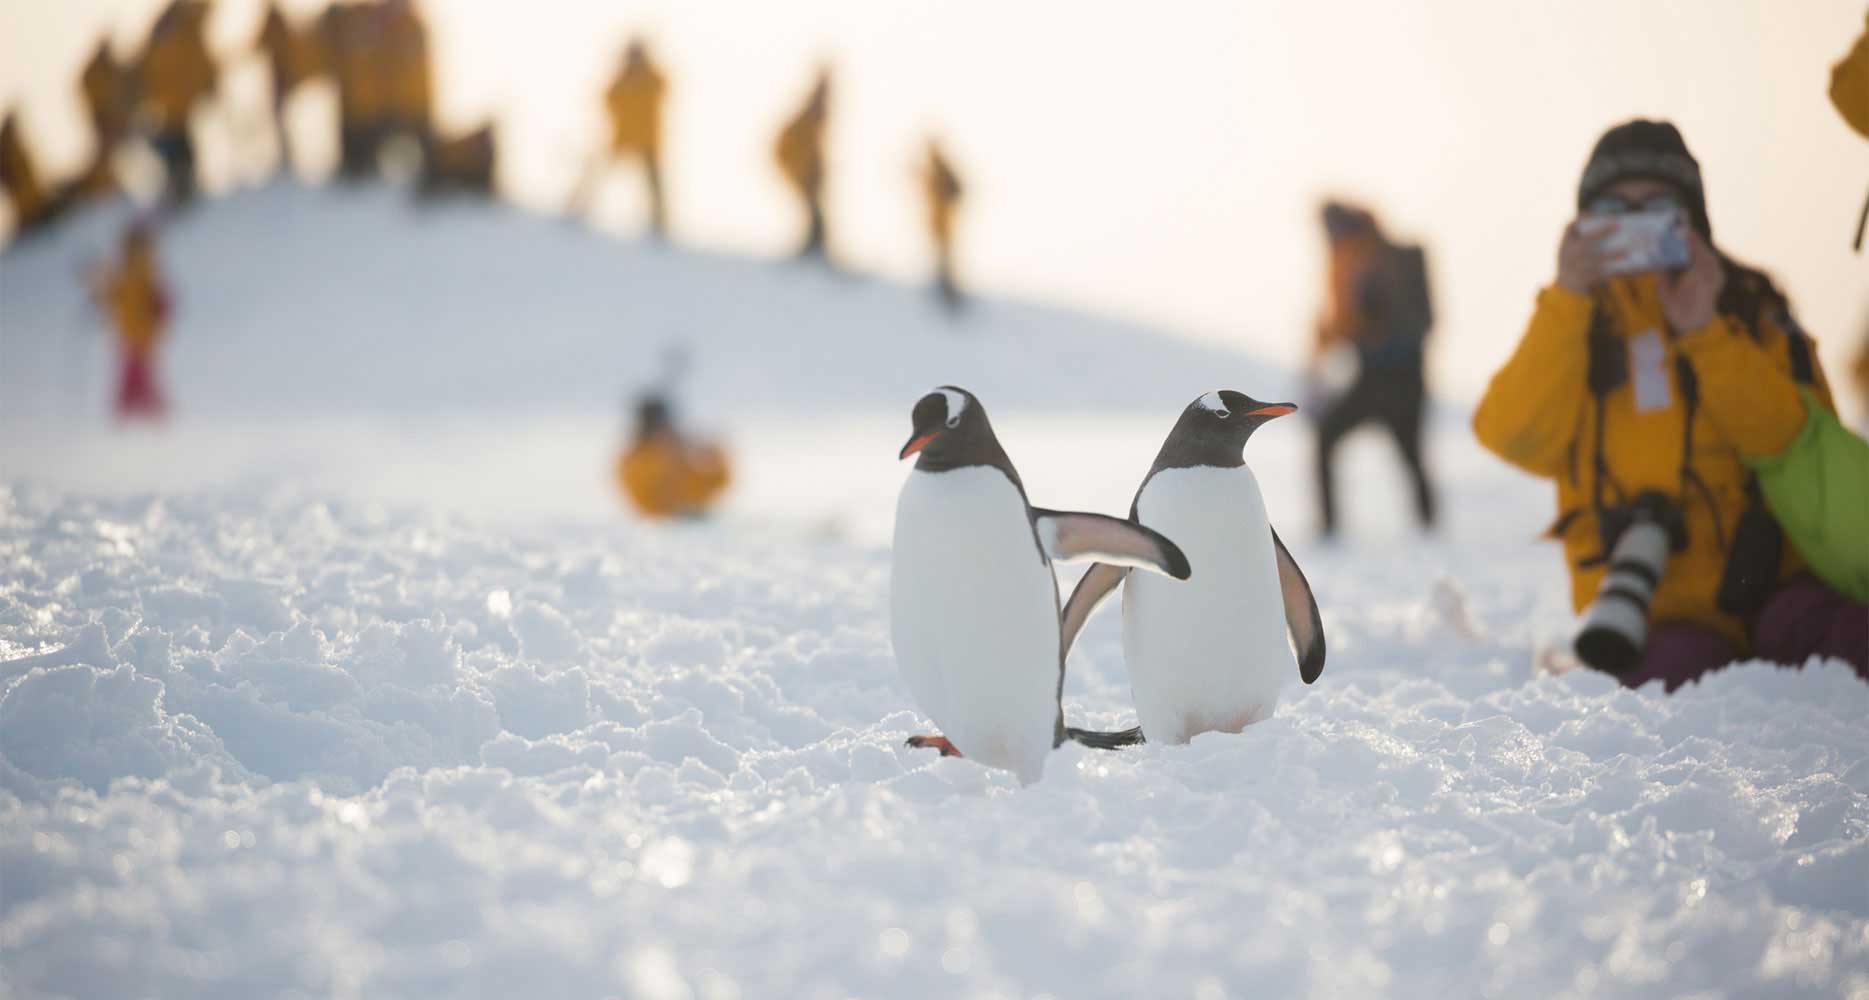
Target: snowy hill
<point>351,681</point>
<point>351,300</point>
<point>473,355</point>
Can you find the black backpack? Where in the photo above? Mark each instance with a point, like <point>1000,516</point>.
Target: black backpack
<point>1411,313</point>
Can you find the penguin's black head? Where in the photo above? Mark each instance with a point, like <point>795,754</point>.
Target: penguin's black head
<point>951,431</point>
<point>1213,430</point>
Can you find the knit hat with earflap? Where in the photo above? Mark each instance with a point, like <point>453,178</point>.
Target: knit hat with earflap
<point>1650,151</point>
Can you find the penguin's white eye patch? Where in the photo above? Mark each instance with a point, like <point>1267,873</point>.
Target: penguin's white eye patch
<point>1212,404</point>
<point>956,405</point>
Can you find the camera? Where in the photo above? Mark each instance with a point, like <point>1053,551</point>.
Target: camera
<point>1641,242</point>
<point>1615,625</point>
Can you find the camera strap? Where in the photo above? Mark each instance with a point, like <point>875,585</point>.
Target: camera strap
<point>1609,368</point>
<point>1690,399</point>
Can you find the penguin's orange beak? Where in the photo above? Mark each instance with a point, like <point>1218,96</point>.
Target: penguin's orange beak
<point>1273,410</point>
<point>916,444</point>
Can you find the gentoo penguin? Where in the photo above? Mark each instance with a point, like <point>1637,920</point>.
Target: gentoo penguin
<point>973,604</point>
<point>1210,653</point>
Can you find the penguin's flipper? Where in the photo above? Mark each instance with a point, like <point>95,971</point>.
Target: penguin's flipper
<point>1066,535</point>
<point>1307,629</point>
<point>1095,588</point>
<point>1100,740</point>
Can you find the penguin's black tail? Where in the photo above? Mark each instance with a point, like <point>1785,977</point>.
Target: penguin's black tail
<point>1098,740</point>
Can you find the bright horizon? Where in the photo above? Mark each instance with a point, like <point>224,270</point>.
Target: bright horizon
<point>1163,167</point>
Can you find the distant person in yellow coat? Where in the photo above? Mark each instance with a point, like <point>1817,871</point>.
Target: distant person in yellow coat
<point>176,72</point>
<point>294,56</point>
<point>634,106</point>
<point>106,87</point>
<point>131,293</point>
<point>1849,91</point>
<point>23,187</point>
<point>663,472</point>
<point>942,191</point>
<point>800,155</point>
<point>378,53</point>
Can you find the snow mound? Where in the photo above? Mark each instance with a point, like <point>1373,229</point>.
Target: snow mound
<point>264,743</point>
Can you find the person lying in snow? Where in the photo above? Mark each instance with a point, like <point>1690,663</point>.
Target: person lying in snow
<point>663,472</point>
<point>1675,383</point>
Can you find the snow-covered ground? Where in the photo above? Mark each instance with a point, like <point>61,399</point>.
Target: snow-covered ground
<point>353,682</point>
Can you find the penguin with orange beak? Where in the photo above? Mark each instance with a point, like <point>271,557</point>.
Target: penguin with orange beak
<point>973,604</point>
<point>1209,654</point>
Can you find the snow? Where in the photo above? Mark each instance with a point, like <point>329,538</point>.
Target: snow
<point>351,682</point>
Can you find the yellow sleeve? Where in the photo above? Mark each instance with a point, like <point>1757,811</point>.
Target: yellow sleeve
<point>1746,385</point>
<point>1529,414</point>
<point>1849,85</point>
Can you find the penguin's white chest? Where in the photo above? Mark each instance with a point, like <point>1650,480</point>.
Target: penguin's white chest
<point>973,614</point>
<point>1209,653</point>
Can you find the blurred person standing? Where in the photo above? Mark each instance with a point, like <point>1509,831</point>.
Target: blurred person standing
<point>1379,308</point>
<point>1849,91</point>
<point>663,471</point>
<point>36,203</point>
<point>175,73</point>
<point>105,85</point>
<point>24,189</point>
<point>1651,394</point>
<point>378,54</point>
<point>131,293</point>
<point>942,192</point>
<point>800,155</point>
<point>634,106</point>
<point>292,56</point>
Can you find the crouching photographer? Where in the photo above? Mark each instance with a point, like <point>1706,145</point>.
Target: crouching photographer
<point>1656,377</point>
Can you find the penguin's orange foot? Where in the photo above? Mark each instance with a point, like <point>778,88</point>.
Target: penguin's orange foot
<point>937,742</point>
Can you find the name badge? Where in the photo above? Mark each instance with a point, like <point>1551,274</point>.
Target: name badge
<point>1648,372</point>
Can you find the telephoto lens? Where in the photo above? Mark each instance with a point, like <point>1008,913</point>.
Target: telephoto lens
<point>1615,625</point>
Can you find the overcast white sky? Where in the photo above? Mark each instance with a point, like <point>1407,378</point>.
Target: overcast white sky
<point>1161,161</point>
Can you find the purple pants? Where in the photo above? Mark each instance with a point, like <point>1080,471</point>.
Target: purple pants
<point>1804,618</point>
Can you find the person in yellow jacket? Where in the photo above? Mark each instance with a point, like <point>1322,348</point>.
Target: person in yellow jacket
<point>294,56</point>
<point>23,187</point>
<point>105,86</point>
<point>378,54</point>
<point>1849,91</point>
<point>634,106</point>
<point>1664,384</point>
<point>130,292</point>
<point>663,472</point>
<point>800,155</point>
<point>176,72</point>
<point>941,191</point>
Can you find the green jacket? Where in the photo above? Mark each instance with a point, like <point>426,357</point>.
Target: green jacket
<point>1818,488</point>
